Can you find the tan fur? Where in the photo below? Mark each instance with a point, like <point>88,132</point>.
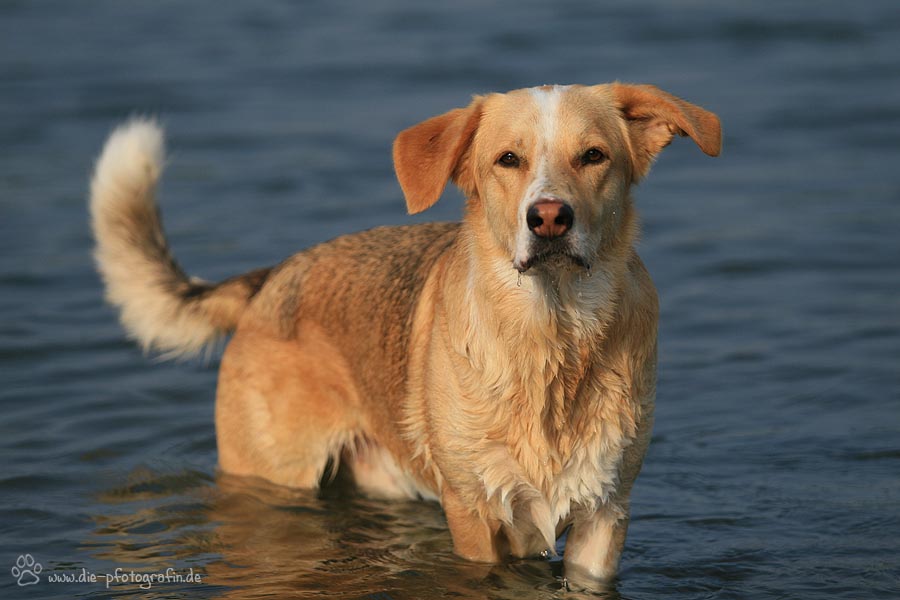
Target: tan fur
<point>162,308</point>
<point>510,377</point>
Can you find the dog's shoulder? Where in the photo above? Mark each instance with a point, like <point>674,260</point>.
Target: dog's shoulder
<point>632,333</point>
<point>639,294</point>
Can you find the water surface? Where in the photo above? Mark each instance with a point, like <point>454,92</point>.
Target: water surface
<point>775,466</point>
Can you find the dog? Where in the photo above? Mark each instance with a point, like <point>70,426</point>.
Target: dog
<point>504,366</point>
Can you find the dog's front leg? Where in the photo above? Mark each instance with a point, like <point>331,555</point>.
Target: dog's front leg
<point>594,545</point>
<point>474,537</point>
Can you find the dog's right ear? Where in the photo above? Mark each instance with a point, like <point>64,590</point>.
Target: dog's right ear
<point>428,155</point>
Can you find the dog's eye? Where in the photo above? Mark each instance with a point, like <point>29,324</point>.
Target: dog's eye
<point>508,159</point>
<point>592,156</point>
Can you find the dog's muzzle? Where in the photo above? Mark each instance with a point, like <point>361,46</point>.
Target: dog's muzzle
<point>549,220</point>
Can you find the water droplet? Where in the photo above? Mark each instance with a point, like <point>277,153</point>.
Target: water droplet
<point>519,280</point>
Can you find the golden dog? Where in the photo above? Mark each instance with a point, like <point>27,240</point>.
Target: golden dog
<point>504,366</point>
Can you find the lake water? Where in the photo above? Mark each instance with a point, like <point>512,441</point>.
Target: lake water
<point>774,470</point>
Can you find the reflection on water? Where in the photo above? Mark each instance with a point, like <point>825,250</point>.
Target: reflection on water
<point>250,539</point>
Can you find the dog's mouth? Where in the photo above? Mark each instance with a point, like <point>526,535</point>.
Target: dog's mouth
<point>554,258</point>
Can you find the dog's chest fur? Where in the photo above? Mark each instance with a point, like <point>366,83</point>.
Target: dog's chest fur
<point>546,416</point>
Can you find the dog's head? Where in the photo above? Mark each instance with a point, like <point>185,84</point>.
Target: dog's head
<point>547,170</point>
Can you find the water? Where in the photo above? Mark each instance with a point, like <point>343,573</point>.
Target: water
<point>775,466</point>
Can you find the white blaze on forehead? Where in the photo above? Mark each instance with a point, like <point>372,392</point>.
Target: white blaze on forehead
<point>547,100</point>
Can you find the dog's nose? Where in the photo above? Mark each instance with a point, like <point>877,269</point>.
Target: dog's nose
<point>549,218</point>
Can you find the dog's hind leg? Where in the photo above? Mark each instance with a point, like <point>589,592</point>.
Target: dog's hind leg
<point>284,407</point>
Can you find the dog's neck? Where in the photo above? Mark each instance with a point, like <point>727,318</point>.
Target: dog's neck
<point>549,324</point>
<point>567,305</point>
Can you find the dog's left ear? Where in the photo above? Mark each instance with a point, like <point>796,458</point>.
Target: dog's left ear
<point>428,155</point>
<point>655,116</point>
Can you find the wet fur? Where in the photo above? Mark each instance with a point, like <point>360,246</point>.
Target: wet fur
<point>418,356</point>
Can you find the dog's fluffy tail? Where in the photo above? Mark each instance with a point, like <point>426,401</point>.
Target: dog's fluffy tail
<point>161,307</point>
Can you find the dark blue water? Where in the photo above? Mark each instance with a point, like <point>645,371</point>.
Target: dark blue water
<point>775,466</point>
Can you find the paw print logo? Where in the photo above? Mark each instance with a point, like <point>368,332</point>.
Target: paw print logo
<point>26,570</point>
